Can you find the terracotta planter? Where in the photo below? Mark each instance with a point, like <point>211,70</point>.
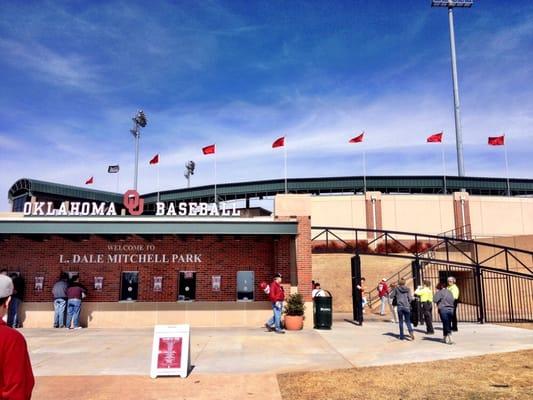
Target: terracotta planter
<point>294,322</point>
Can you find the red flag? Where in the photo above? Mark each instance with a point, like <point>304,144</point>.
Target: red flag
<point>154,160</point>
<point>280,142</point>
<point>357,139</point>
<point>497,140</point>
<point>90,181</point>
<point>435,138</point>
<point>209,149</point>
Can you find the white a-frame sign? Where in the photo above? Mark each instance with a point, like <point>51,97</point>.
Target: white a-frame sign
<point>171,351</point>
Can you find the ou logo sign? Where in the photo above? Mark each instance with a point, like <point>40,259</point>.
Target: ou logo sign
<point>133,202</point>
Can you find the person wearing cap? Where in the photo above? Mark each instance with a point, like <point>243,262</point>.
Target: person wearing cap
<point>452,287</point>
<point>276,296</point>
<point>383,293</point>
<point>426,300</point>
<point>16,375</point>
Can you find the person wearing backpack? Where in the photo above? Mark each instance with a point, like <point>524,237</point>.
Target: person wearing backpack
<point>277,296</point>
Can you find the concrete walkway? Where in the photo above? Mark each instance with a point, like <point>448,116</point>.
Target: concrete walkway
<point>242,361</point>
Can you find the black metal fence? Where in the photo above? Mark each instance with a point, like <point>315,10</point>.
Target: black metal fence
<point>486,295</point>
<point>495,281</point>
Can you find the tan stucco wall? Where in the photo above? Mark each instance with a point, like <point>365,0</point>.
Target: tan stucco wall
<point>147,314</point>
<point>500,216</point>
<point>431,214</point>
<point>341,211</point>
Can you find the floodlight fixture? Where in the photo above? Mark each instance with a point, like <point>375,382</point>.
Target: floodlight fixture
<point>139,121</point>
<point>189,170</point>
<point>451,4</point>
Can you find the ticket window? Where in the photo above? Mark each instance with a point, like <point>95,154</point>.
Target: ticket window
<point>129,288</point>
<point>187,286</point>
<point>245,285</point>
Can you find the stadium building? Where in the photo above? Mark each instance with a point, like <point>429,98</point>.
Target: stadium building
<point>183,259</point>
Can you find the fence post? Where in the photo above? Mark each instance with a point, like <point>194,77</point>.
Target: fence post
<point>357,303</point>
<point>415,268</point>
<point>479,290</point>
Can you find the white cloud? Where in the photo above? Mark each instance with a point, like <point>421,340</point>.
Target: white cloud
<point>69,70</point>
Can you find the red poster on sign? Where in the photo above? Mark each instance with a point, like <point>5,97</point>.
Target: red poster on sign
<point>169,355</point>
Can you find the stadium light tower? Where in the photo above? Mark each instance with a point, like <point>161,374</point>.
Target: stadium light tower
<point>139,121</point>
<point>451,4</point>
<point>189,170</point>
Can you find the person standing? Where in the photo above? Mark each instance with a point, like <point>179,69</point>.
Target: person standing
<point>362,289</point>
<point>75,293</point>
<point>59,291</point>
<point>402,294</point>
<point>426,301</point>
<point>445,301</point>
<point>16,375</point>
<point>383,293</point>
<point>452,287</point>
<point>393,305</point>
<point>317,291</point>
<point>3,271</point>
<point>276,296</point>
<point>13,319</point>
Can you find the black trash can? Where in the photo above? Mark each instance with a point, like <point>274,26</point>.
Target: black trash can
<point>323,311</point>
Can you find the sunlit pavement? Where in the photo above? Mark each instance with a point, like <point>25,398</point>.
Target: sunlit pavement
<point>243,361</point>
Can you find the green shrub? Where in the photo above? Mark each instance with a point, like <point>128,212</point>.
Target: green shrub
<point>295,305</point>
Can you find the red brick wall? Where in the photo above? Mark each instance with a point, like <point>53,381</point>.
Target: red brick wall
<point>264,255</point>
<point>303,257</point>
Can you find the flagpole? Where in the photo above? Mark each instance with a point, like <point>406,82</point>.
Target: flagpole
<point>507,170</point>
<point>216,202</point>
<point>158,180</point>
<point>364,171</point>
<point>443,166</point>
<point>285,157</point>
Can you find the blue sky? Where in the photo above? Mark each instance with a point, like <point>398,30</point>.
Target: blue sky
<point>241,74</point>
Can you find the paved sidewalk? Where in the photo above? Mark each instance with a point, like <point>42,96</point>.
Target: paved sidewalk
<point>237,362</point>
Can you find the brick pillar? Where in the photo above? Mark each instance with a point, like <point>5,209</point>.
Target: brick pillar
<point>373,200</point>
<point>461,214</point>
<point>303,257</point>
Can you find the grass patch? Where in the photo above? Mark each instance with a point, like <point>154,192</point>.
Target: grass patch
<point>495,376</point>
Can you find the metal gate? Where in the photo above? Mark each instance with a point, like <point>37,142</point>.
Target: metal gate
<point>507,297</point>
<point>469,308</point>
<point>486,295</point>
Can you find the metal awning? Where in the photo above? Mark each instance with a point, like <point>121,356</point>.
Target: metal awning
<point>145,226</point>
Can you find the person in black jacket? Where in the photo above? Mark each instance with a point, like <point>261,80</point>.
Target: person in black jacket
<point>402,295</point>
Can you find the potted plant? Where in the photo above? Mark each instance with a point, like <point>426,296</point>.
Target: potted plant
<point>294,312</point>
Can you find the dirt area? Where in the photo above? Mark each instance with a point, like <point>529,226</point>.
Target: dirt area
<point>523,325</point>
<point>496,376</point>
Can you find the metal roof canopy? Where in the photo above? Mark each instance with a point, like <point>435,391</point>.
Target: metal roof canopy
<point>32,186</point>
<point>241,190</point>
<point>130,226</point>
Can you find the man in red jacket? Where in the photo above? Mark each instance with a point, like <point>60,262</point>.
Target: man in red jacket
<point>383,293</point>
<point>16,375</point>
<point>276,296</point>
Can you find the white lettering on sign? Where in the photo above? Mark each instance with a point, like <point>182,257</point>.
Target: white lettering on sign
<point>42,208</point>
<point>131,258</point>
<point>196,209</point>
<point>77,208</point>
